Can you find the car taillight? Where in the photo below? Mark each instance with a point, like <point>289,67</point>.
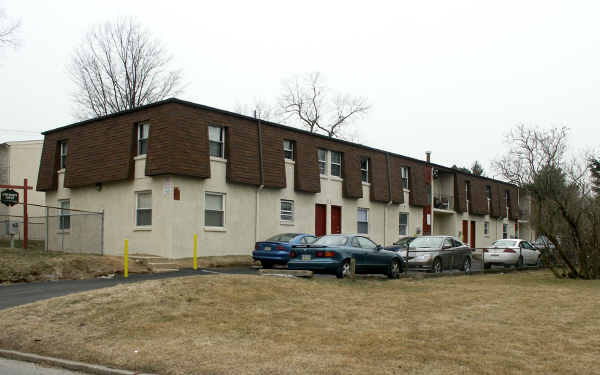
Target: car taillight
<point>256,246</point>
<point>329,254</point>
<point>292,254</point>
<point>485,250</point>
<point>280,247</point>
<point>325,254</point>
<point>509,251</point>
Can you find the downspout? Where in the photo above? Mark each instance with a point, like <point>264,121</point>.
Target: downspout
<point>262,180</point>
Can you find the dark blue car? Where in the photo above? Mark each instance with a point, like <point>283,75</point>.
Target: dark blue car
<point>276,250</point>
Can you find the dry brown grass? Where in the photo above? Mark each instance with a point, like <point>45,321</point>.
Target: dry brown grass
<point>216,261</point>
<point>18,265</point>
<point>518,323</point>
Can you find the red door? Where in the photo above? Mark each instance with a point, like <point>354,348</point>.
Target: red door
<point>465,231</point>
<point>320,220</point>
<point>473,234</point>
<point>336,219</point>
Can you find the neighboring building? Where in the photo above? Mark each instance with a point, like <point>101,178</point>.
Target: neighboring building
<point>172,169</point>
<point>20,160</point>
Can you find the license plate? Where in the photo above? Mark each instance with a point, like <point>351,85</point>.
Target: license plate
<point>306,257</point>
<point>495,255</point>
<point>267,248</point>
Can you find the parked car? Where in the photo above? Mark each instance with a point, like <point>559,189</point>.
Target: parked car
<point>401,246</point>
<point>511,252</point>
<point>438,253</point>
<point>332,254</point>
<point>276,249</point>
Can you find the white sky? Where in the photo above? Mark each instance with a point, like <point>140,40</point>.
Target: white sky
<point>449,76</point>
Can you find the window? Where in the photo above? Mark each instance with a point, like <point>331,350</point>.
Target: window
<point>308,240</point>
<point>64,218</point>
<point>457,243</point>
<point>468,190</point>
<point>404,172</point>
<point>403,224</point>
<point>64,150</point>
<point>363,220</point>
<point>214,210</point>
<point>507,197</point>
<point>216,138</point>
<point>322,154</point>
<point>287,210</point>
<point>366,243</point>
<point>336,163</point>
<point>486,228</point>
<point>143,209</point>
<point>447,243</point>
<point>143,133</point>
<point>504,230</point>
<point>488,192</point>
<point>288,149</point>
<point>364,169</point>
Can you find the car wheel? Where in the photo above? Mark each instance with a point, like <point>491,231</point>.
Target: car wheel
<point>343,270</point>
<point>266,264</point>
<point>487,266</point>
<point>437,266</point>
<point>519,264</point>
<point>467,266</point>
<point>395,270</point>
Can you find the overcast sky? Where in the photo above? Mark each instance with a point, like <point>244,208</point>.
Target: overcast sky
<point>448,76</point>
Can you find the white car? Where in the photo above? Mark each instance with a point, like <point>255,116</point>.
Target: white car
<point>512,252</point>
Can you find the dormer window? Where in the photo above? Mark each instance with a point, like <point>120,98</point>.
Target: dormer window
<point>288,149</point>
<point>64,151</point>
<point>488,192</point>
<point>216,137</point>
<point>143,134</point>
<point>364,169</point>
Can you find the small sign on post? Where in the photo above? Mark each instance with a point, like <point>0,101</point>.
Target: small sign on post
<point>9,197</point>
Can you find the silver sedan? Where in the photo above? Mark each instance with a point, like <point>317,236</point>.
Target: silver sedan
<point>511,252</point>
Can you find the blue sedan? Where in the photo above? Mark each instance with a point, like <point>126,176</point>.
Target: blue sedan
<point>333,253</point>
<point>276,250</point>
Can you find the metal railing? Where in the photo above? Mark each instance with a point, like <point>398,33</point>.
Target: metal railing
<point>443,202</point>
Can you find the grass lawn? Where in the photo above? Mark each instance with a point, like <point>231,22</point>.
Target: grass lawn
<point>517,323</point>
<point>18,265</point>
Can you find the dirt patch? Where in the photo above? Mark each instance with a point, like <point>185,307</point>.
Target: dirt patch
<point>18,265</point>
<point>519,323</point>
<point>217,261</point>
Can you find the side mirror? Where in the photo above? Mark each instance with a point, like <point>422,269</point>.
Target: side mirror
<point>379,247</point>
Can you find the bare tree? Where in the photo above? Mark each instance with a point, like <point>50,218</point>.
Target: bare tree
<point>120,66</point>
<point>260,109</point>
<point>595,172</point>
<point>564,210</point>
<point>308,103</point>
<point>8,30</point>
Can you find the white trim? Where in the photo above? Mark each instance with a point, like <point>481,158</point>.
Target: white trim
<point>140,157</point>
<point>335,178</point>
<point>136,193</point>
<point>215,229</point>
<point>365,183</point>
<point>218,159</point>
<point>288,161</point>
<point>142,228</point>
<point>288,223</point>
<point>223,196</point>
<point>61,171</point>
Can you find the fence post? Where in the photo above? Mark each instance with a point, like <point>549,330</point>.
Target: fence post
<point>352,268</point>
<point>482,260</point>
<point>125,261</point>
<point>47,230</point>
<point>195,252</point>
<point>102,232</point>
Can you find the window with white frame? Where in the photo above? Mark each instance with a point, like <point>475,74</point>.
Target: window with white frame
<point>216,140</point>
<point>214,209</point>
<point>488,191</point>
<point>403,224</point>
<point>504,230</point>
<point>362,220</point>
<point>364,169</point>
<point>64,151</point>
<point>322,156</point>
<point>336,163</point>
<point>286,212</point>
<point>288,149</point>
<point>64,219</point>
<point>404,172</point>
<point>143,208</point>
<point>486,228</point>
<point>143,134</point>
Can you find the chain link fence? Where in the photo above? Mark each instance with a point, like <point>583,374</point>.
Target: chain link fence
<point>61,229</point>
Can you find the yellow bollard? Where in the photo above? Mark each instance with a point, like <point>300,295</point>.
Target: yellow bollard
<point>195,252</point>
<point>125,260</point>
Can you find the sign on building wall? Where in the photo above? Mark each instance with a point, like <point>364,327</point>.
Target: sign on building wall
<point>9,197</point>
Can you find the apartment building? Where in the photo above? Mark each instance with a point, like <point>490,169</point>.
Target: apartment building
<point>166,171</point>
<point>20,160</point>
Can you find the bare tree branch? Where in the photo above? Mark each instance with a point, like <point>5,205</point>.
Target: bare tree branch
<point>8,30</point>
<point>119,66</point>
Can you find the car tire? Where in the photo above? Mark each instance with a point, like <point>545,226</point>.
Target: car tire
<point>436,267</point>
<point>395,270</point>
<point>343,270</point>
<point>266,265</point>
<point>487,266</point>
<point>467,266</point>
<point>519,264</point>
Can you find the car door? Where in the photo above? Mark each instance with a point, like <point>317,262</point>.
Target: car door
<point>447,253</point>
<point>531,253</point>
<point>524,253</point>
<point>376,259</point>
<point>460,252</point>
<point>359,255</point>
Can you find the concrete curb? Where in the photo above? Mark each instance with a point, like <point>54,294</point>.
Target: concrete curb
<point>66,364</point>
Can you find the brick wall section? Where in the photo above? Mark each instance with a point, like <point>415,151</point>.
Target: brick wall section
<point>497,204</point>
<point>273,158</point>
<point>306,170</point>
<point>478,204</point>
<point>352,187</point>
<point>514,204</point>
<point>416,182</point>
<point>460,199</point>
<point>396,165</point>
<point>379,178</point>
<point>47,178</point>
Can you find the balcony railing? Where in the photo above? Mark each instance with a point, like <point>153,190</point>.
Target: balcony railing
<point>443,202</point>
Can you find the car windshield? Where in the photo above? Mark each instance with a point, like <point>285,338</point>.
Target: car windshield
<point>331,241</point>
<point>505,243</point>
<point>403,241</point>
<point>283,237</point>
<point>422,242</point>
